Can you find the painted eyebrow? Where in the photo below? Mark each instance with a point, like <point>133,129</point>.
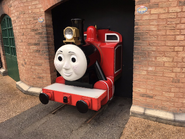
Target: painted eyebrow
<point>71,52</point>
<point>60,50</point>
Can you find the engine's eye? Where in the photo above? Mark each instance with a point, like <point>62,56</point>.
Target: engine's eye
<point>73,59</point>
<point>68,33</point>
<point>60,57</point>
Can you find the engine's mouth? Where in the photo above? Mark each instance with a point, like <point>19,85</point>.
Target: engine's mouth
<point>67,74</point>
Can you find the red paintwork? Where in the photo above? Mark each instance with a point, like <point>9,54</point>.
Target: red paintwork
<point>106,49</point>
<point>93,103</point>
<point>107,63</point>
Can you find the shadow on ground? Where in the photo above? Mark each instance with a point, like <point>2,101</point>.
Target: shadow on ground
<point>38,122</point>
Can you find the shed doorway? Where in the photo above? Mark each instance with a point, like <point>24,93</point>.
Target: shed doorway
<point>9,47</point>
<point>117,15</point>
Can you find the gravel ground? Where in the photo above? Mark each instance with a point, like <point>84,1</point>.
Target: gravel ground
<point>13,101</point>
<point>138,128</point>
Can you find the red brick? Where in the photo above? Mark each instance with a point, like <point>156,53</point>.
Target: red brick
<point>175,80</point>
<point>155,73</point>
<point>182,65</point>
<point>165,49</point>
<point>139,90</point>
<point>138,28</point>
<point>154,101</point>
<point>137,43</point>
<point>182,20</point>
<point>174,21</point>
<point>183,69</point>
<point>172,54</point>
<point>147,77</point>
<point>168,4</point>
<point>145,17</point>
<point>163,79</point>
<point>157,1</point>
<point>156,54</point>
<point>149,28</point>
<point>139,72</point>
<point>149,38</point>
<point>161,88</point>
<point>177,59</point>
<point>157,43</point>
<point>170,64</point>
<point>173,32</point>
<point>168,94</point>
<point>169,74</point>
<point>181,14</point>
<point>157,22</point>
<point>170,104</point>
<point>172,43</point>
<point>157,64</point>
<point>163,98</point>
<point>181,37</point>
<point>167,27</point>
<point>147,48</point>
<point>147,58</point>
<point>168,38</point>
<point>164,59</point>
<point>138,17</point>
<point>164,69</point>
<point>182,100</point>
<point>159,10</point>
<point>142,23</point>
<point>182,31</point>
<point>181,54</point>
<point>176,69</point>
<point>174,9</point>
<point>174,90</point>
<point>180,75</point>
<point>178,95</point>
<point>179,105</point>
<point>180,26</point>
<point>160,32</point>
<point>168,15</point>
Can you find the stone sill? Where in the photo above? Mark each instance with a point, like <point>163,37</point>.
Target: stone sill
<point>177,119</point>
<point>3,72</point>
<point>34,91</point>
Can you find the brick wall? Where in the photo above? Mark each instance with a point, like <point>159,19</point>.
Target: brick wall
<point>34,41</point>
<point>159,55</point>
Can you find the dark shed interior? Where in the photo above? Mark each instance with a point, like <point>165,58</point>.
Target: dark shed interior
<point>117,15</point>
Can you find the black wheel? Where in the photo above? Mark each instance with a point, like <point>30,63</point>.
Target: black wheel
<point>82,106</point>
<point>44,98</point>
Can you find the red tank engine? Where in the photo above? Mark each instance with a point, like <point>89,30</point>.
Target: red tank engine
<point>88,68</point>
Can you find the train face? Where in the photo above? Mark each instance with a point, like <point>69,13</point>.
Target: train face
<point>70,61</point>
<point>88,68</point>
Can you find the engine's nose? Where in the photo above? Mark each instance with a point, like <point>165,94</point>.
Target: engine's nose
<point>44,98</point>
<point>82,106</point>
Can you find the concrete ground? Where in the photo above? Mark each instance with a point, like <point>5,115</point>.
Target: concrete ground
<point>138,128</point>
<point>23,117</point>
<point>13,101</point>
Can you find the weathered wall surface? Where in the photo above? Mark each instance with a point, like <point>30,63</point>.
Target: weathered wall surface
<point>34,40</point>
<point>159,55</point>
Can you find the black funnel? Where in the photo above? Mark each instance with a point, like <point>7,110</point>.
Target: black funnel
<point>78,23</point>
